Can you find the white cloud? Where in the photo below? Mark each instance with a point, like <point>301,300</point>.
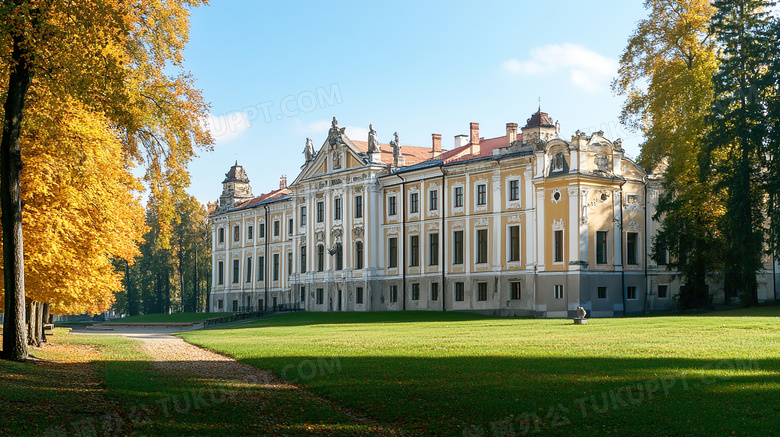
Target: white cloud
<point>227,127</point>
<point>587,69</point>
<point>357,133</point>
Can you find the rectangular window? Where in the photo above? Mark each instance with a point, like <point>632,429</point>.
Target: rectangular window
<point>249,232</point>
<point>481,194</point>
<point>631,293</point>
<point>220,273</point>
<point>337,208</point>
<point>482,291</point>
<point>221,235</point>
<point>482,245</point>
<point>414,251</point>
<point>260,268</point>
<point>339,258</point>
<point>433,249</point>
<point>433,200</point>
<point>358,255</point>
<point>601,247</point>
<point>415,291</point>
<point>303,216</point>
<point>220,304</point>
<point>558,291</point>
<point>459,291</point>
<point>632,242</point>
<point>359,295</point>
<point>514,290</point>
<point>558,246</point>
<point>392,252</point>
<point>514,243</point>
<point>303,259</point>
<point>277,228</point>
<point>514,190</point>
<point>320,258</point>
<point>249,269</point>
<point>235,271</point>
<point>303,294</point>
<point>236,233</point>
<point>261,230</point>
<point>458,196</point>
<point>320,212</point>
<point>358,206</point>
<point>290,226</point>
<point>601,292</point>
<point>457,255</point>
<point>320,295</point>
<point>393,293</point>
<point>289,264</point>
<point>414,202</point>
<point>235,305</point>
<point>434,291</point>
<point>391,207</point>
<point>276,267</point>
<point>663,291</point>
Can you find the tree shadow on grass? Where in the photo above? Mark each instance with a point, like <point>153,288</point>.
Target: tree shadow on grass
<point>484,395</point>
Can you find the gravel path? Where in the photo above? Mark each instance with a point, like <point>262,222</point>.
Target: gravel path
<point>173,354</point>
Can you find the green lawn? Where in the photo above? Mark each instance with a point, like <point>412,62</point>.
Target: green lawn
<point>105,386</point>
<point>168,318</point>
<point>434,373</point>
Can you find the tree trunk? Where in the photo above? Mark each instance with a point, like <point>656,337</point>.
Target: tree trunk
<point>14,337</point>
<point>45,316</point>
<point>33,329</point>
<point>195,297</point>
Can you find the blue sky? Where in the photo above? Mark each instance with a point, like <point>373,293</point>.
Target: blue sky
<point>276,72</point>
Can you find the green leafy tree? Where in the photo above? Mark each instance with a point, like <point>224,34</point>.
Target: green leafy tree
<point>734,157</point>
<point>666,77</point>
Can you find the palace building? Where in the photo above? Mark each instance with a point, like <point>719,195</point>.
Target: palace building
<point>523,224</point>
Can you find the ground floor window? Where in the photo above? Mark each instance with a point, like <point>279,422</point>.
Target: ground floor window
<point>303,294</point>
<point>434,291</point>
<point>663,291</point>
<point>320,295</point>
<point>220,304</point>
<point>459,291</point>
<point>359,295</point>
<point>514,289</point>
<point>601,293</point>
<point>631,293</point>
<point>558,291</point>
<point>482,291</point>
<point>235,305</point>
<point>393,293</point>
<point>415,291</point>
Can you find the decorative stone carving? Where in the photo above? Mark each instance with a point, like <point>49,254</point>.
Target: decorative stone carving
<point>634,225</point>
<point>482,222</point>
<point>556,196</point>
<point>514,218</point>
<point>373,143</point>
<point>392,231</point>
<point>320,235</point>
<point>335,134</point>
<point>308,151</point>
<point>557,225</point>
<point>396,144</point>
<point>336,160</point>
<point>357,231</point>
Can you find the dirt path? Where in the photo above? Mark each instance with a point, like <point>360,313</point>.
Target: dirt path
<point>173,354</point>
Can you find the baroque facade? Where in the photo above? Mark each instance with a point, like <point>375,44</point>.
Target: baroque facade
<point>523,224</point>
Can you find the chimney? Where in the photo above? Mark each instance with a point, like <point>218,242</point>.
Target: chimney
<point>461,140</point>
<point>511,133</point>
<point>436,145</point>
<point>474,138</point>
<point>283,182</point>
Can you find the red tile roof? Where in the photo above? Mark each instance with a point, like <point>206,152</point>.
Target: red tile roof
<point>267,196</point>
<point>486,147</point>
<point>412,154</point>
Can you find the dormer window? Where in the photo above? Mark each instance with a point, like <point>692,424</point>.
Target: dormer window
<point>558,162</point>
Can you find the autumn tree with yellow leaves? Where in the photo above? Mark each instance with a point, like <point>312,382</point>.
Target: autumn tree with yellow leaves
<point>109,62</point>
<point>666,75</point>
